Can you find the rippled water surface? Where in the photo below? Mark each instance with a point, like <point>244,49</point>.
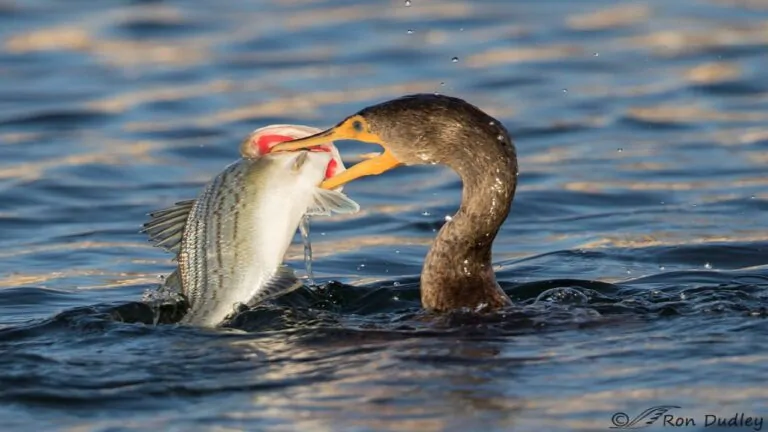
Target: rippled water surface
<point>635,250</point>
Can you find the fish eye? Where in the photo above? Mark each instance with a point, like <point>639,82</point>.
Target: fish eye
<point>357,125</point>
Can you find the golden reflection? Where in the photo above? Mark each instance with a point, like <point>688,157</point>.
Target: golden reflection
<point>296,106</point>
<point>386,394</point>
<point>687,40</point>
<point>361,12</point>
<point>619,16</point>
<point>116,52</point>
<point>12,138</point>
<point>113,153</point>
<point>116,279</point>
<point>629,241</point>
<point>338,245</point>
<point>691,114</point>
<point>714,72</point>
<point>499,56</point>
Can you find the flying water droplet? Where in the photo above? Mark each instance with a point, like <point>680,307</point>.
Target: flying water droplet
<point>708,266</point>
<point>448,218</point>
<point>425,213</point>
<point>752,197</point>
<point>407,3</point>
<point>492,123</point>
<point>455,59</point>
<point>304,228</point>
<point>596,54</point>
<point>409,31</point>
<point>565,90</point>
<point>661,267</point>
<point>500,137</point>
<point>619,149</point>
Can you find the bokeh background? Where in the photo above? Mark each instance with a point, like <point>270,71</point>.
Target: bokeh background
<point>642,138</point>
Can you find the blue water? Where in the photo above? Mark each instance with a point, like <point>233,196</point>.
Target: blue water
<point>636,250</point>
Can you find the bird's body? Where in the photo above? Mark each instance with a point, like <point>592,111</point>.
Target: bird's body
<point>435,129</point>
<point>231,240</point>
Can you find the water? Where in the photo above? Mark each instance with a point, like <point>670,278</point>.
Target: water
<point>639,275</point>
<point>307,242</point>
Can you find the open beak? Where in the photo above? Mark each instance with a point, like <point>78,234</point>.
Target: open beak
<point>372,166</point>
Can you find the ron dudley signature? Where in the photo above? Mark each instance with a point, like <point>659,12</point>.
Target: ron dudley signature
<point>662,416</point>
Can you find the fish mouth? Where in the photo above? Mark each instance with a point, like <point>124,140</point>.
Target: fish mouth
<point>349,129</point>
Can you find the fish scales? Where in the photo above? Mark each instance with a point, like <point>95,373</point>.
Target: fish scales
<point>230,242</point>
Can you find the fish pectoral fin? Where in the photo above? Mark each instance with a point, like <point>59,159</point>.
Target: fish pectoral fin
<point>166,227</point>
<point>282,282</point>
<point>327,201</point>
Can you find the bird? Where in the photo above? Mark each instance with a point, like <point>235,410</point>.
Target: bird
<point>436,129</point>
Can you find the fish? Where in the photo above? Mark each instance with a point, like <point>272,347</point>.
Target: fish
<point>230,242</point>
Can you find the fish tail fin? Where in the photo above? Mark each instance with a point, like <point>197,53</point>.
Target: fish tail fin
<point>282,282</point>
<point>325,202</point>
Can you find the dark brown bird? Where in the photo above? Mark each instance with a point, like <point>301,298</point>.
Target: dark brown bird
<point>424,129</point>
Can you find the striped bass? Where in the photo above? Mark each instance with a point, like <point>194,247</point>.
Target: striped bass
<point>230,242</point>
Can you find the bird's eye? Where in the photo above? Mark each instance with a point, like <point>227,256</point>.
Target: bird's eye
<point>357,125</point>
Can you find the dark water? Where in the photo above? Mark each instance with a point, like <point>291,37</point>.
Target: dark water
<point>641,128</point>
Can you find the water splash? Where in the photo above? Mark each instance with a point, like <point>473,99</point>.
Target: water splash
<point>161,295</point>
<point>304,229</point>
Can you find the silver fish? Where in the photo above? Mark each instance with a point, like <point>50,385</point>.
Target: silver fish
<point>230,242</point>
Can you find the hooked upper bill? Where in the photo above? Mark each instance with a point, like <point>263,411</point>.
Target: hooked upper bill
<point>354,128</point>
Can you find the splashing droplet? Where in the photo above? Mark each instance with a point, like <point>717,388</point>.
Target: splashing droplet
<point>409,31</point>
<point>448,218</point>
<point>407,3</point>
<point>396,283</point>
<point>493,123</point>
<point>619,149</point>
<point>500,137</point>
<point>565,90</point>
<point>708,266</point>
<point>425,213</point>
<point>455,59</point>
<point>661,267</point>
<point>304,228</point>
<point>597,54</point>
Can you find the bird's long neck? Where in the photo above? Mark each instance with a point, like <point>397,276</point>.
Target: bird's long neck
<point>457,271</point>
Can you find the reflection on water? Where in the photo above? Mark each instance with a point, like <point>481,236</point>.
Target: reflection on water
<point>635,250</point>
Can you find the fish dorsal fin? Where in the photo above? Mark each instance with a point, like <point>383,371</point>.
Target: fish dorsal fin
<point>282,282</point>
<point>166,227</point>
<point>325,202</point>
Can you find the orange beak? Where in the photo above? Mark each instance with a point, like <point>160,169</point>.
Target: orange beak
<point>345,131</point>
